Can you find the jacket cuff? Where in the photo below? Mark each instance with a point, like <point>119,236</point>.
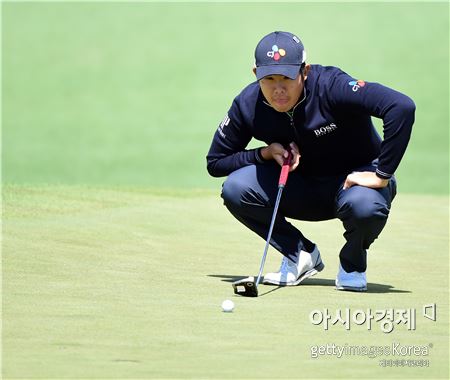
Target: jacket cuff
<point>382,175</point>
<point>259,157</point>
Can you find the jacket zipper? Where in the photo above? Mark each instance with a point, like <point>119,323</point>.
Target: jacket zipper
<point>291,118</point>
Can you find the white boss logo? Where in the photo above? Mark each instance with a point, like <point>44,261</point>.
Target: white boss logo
<point>325,130</point>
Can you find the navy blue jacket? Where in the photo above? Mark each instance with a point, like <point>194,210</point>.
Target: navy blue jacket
<point>331,125</point>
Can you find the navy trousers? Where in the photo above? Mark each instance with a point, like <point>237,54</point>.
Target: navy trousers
<point>250,192</point>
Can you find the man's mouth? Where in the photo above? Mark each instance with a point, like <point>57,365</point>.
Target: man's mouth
<point>281,100</point>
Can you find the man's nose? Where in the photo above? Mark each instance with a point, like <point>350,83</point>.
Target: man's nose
<point>279,88</point>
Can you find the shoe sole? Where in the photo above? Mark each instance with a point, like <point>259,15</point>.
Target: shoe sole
<point>318,268</point>
<point>352,288</point>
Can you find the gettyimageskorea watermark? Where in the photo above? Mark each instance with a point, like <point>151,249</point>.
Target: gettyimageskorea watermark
<point>395,349</point>
<point>387,319</point>
<point>394,355</point>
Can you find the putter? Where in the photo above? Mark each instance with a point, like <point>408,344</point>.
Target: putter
<point>248,287</point>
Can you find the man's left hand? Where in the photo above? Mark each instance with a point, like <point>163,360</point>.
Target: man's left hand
<point>367,179</point>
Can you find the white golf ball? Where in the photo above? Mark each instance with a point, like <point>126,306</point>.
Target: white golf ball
<point>227,306</point>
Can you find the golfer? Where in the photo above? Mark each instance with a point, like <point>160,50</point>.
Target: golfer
<point>341,168</point>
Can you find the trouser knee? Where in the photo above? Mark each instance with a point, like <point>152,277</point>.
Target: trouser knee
<point>232,191</point>
<point>364,210</point>
<point>369,211</point>
<point>238,192</point>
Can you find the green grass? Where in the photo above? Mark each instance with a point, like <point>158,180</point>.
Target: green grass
<point>116,249</point>
<point>128,282</point>
<point>131,93</point>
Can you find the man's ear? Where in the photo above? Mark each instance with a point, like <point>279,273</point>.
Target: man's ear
<point>306,70</point>
<point>254,70</point>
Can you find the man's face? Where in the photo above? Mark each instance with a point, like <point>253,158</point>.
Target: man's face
<point>281,92</point>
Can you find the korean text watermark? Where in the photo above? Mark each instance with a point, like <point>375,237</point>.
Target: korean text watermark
<point>387,319</point>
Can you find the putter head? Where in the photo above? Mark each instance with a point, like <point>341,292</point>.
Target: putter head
<point>246,287</point>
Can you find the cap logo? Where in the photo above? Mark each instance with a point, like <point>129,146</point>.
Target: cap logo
<point>276,53</point>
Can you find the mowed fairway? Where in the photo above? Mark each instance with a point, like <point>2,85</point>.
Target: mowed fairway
<point>127,283</point>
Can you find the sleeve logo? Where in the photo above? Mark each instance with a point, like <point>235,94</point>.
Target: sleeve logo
<point>356,84</point>
<point>224,123</point>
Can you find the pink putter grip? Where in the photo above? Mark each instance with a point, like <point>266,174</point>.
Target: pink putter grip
<point>285,170</point>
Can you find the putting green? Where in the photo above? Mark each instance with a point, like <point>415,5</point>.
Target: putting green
<point>128,283</point>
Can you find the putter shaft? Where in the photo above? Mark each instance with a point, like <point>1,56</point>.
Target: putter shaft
<point>247,287</point>
<point>269,235</point>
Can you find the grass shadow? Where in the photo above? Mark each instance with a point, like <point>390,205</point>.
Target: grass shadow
<point>371,287</point>
<point>227,277</point>
<point>384,288</point>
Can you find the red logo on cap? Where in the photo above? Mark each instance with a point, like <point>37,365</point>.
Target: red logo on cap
<point>276,53</point>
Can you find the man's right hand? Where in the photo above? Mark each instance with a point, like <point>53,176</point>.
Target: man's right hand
<point>276,151</point>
